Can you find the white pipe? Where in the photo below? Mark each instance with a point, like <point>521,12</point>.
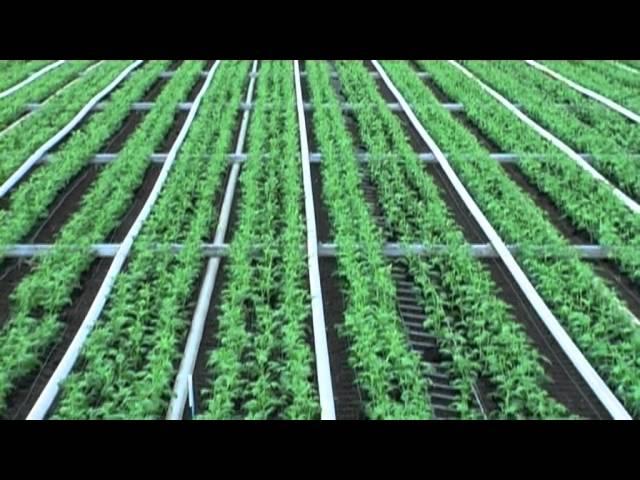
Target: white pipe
<point>196,330</point>
<point>186,106</point>
<point>323,368</point>
<point>632,205</point>
<point>40,105</point>
<point>316,157</point>
<point>192,403</point>
<point>29,162</point>
<point>626,67</point>
<point>585,91</point>
<point>31,78</point>
<point>325,249</point>
<point>63,369</point>
<point>600,389</point>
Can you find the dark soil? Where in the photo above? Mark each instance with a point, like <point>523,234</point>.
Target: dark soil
<point>117,141</point>
<point>323,222</point>
<point>436,90</point>
<point>64,206</point>
<point>196,89</point>
<point>155,90</point>
<point>626,289</point>
<point>29,388</point>
<point>416,141</point>
<point>554,215</point>
<point>311,135</point>
<point>486,142</point>
<point>12,271</point>
<point>462,216</point>
<point>202,377</point>
<point>126,222</point>
<point>305,89</point>
<point>347,398</point>
<point>566,385</point>
<point>384,90</point>
<point>173,133</point>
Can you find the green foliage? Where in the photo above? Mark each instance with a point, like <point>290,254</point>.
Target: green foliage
<point>614,83</point>
<point>20,142</point>
<point>14,72</point>
<point>592,314</point>
<point>583,123</point>
<point>461,302</point>
<point>632,63</point>
<point>30,201</point>
<point>589,205</point>
<point>38,301</point>
<point>387,371</point>
<point>14,106</point>
<point>262,367</point>
<point>129,361</point>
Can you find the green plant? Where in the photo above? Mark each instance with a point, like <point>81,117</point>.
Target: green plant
<point>13,106</point>
<point>388,372</point>
<point>129,361</point>
<point>262,366</point>
<point>20,142</point>
<point>14,72</point>
<point>38,301</point>
<point>453,283</point>
<point>592,314</point>
<point>616,84</point>
<point>30,201</point>
<point>583,123</point>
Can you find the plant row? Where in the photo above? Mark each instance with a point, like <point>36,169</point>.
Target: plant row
<point>262,366</point>
<point>461,300</point>
<point>592,314</point>
<point>388,372</point>
<point>632,63</point>
<point>607,84</point>
<point>589,111</point>
<point>38,303</point>
<point>618,75</point>
<point>590,205</point>
<point>612,160</point>
<point>128,363</point>
<point>30,201</point>
<point>14,106</point>
<point>17,144</point>
<point>14,72</point>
